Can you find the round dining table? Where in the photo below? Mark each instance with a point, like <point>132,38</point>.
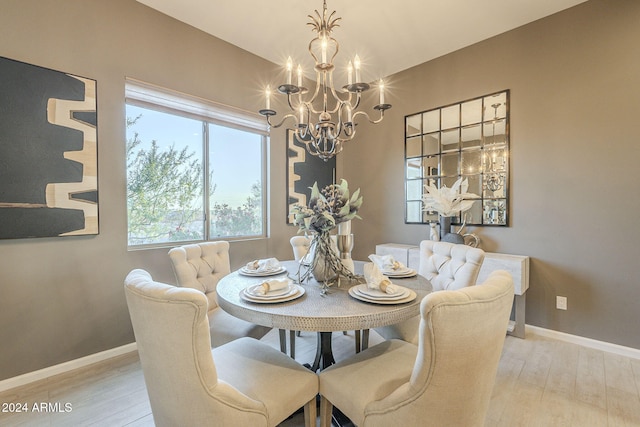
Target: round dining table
<point>318,311</point>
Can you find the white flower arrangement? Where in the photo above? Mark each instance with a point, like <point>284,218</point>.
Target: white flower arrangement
<point>448,201</point>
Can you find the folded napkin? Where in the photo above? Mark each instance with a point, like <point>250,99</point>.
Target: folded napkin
<point>268,264</point>
<point>270,286</point>
<point>386,262</point>
<point>376,280</point>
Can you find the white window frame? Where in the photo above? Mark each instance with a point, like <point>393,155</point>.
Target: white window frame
<point>157,98</point>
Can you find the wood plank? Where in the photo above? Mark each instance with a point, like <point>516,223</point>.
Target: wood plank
<point>585,415</point>
<point>563,370</point>
<point>506,378</point>
<point>554,410</point>
<point>538,362</point>
<point>619,373</point>
<point>590,380</point>
<point>623,407</point>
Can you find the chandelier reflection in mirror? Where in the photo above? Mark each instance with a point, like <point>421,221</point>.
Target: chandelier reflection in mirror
<point>495,162</point>
<point>326,119</point>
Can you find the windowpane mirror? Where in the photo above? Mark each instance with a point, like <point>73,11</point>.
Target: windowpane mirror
<point>469,139</point>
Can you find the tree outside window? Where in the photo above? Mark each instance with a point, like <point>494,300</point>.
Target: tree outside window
<point>166,182</point>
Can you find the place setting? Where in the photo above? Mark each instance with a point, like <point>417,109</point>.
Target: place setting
<point>262,268</point>
<point>378,289</point>
<point>272,291</point>
<point>392,268</point>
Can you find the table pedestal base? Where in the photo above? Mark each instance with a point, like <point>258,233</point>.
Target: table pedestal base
<point>324,353</point>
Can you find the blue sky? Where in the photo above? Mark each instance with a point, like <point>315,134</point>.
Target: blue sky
<point>235,155</point>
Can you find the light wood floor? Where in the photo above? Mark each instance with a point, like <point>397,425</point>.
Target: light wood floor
<point>540,382</point>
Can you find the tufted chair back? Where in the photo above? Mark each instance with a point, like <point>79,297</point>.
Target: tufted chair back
<point>241,383</point>
<point>201,266</point>
<point>449,266</point>
<point>300,246</point>
<point>444,380</point>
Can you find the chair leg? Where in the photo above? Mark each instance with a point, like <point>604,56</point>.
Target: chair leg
<point>310,415</point>
<point>292,344</point>
<point>365,339</point>
<point>283,340</point>
<point>326,410</point>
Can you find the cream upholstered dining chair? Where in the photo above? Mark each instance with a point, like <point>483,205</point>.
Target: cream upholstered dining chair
<point>200,266</point>
<point>445,380</point>
<point>242,383</point>
<point>300,246</point>
<point>448,266</point>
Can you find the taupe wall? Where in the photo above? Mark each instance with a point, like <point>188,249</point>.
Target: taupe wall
<point>575,91</point>
<point>575,149</point>
<point>62,298</point>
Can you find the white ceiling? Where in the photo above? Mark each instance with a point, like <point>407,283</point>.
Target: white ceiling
<point>389,36</point>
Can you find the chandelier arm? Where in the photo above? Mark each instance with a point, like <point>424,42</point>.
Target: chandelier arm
<point>335,93</point>
<point>345,123</point>
<point>289,102</point>
<point>301,100</point>
<point>316,92</point>
<point>292,116</point>
<point>358,99</point>
<point>315,135</point>
<point>362,113</point>
<point>349,132</point>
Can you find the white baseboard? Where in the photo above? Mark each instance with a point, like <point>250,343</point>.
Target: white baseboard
<point>41,374</point>
<point>633,353</point>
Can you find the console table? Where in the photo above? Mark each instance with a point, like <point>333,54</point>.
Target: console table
<point>517,265</point>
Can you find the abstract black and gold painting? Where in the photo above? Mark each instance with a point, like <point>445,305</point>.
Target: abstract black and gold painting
<point>48,152</point>
<point>303,169</point>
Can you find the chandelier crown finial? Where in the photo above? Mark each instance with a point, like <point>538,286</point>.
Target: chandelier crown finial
<point>323,24</point>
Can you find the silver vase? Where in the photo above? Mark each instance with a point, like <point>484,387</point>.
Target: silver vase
<point>445,232</point>
<point>345,244</point>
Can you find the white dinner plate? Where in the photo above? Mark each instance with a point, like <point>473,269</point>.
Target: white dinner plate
<point>366,292</point>
<point>399,274</point>
<point>251,290</point>
<point>412,295</point>
<point>246,272</point>
<point>295,291</point>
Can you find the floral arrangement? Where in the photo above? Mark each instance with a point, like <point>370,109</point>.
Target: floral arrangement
<point>448,201</point>
<point>327,208</point>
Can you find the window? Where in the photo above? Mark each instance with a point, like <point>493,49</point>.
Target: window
<point>195,170</point>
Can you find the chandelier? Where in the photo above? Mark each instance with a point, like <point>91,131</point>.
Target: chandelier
<point>326,119</point>
<point>493,179</point>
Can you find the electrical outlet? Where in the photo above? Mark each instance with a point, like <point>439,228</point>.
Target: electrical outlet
<point>561,303</point>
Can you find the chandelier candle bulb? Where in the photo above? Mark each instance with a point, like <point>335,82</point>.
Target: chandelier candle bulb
<point>356,65</point>
<point>381,92</point>
<point>289,70</point>
<point>267,93</point>
<point>299,76</point>
<point>350,73</point>
<point>324,50</point>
